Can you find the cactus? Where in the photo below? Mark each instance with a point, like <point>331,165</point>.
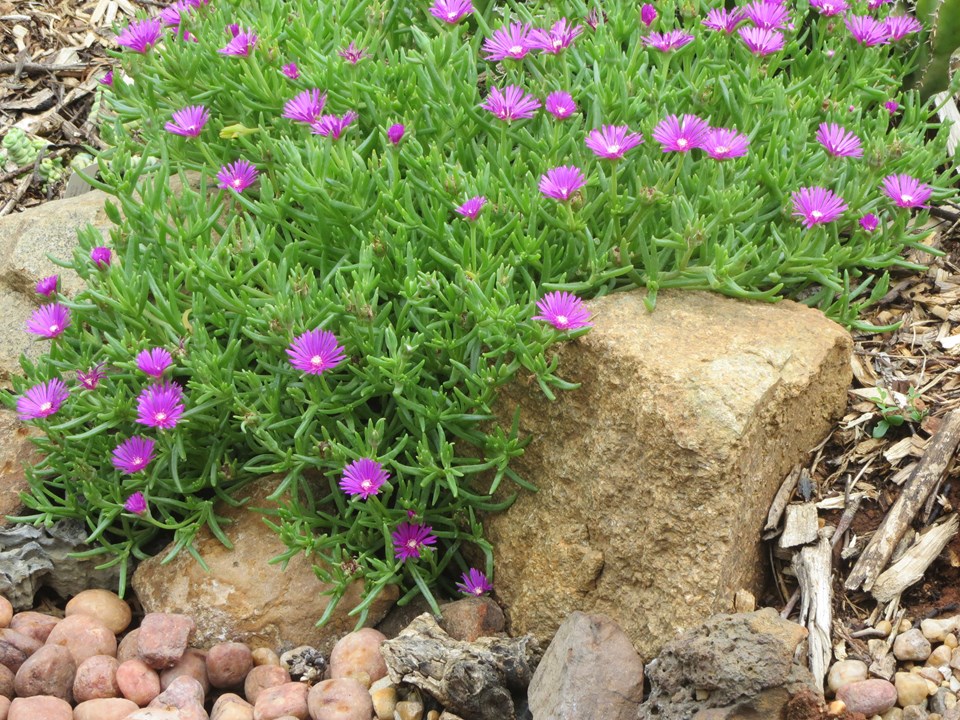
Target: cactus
<point>20,148</point>
<point>942,17</point>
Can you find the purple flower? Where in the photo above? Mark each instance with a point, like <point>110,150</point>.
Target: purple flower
<point>237,176</point>
<point>410,538</point>
<point>141,35</point>
<point>92,377</point>
<point>906,191</point>
<point>160,405</point>
<point>560,105</point>
<point>612,141</point>
<point>681,134</point>
<point>869,222</point>
<point>512,42</point>
<point>725,143</point>
<point>395,133</point>
<point>133,454</point>
<point>670,40</point>
<point>767,15</point>
<point>724,20</point>
<point>451,11</point>
<point>892,106</point>
<point>188,122</point>
<point>154,361</point>
<point>233,29</point>
<point>511,104</point>
<point>563,310</point>
<point>315,351</point>
<point>839,142</point>
<point>817,205</point>
<point>592,18</point>
<point>47,286</point>
<point>866,30</point>
<point>363,477</point>
<point>305,107</point>
<point>291,70</point>
<point>135,504</point>
<point>560,183</point>
<point>648,13</point>
<point>107,79</point>
<point>101,257</point>
<point>332,125</point>
<point>243,43</point>
<point>876,4</point>
<point>555,40</point>
<point>42,400</point>
<point>828,8</point>
<point>172,15</point>
<point>352,54</point>
<point>899,26</point>
<point>761,41</point>
<point>474,583</point>
<point>472,207</point>
<point>49,321</point>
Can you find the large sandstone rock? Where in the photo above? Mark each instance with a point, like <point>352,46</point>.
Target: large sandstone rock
<point>656,475</point>
<point>244,598</point>
<point>16,451</point>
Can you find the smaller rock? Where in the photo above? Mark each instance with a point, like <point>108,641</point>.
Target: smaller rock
<point>893,713</point>
<point>845,672</point>
<point>104,605</point>
<point>383,693</point>
<point>49,671</point>
<point>6,612</point>
<point>940,656</point>
<point>915,712</point>
<point>447,715</point>
<point>928,673</point>
<point>193,664</point>
<point>936,630</point>
<point>36,625</point>
<point>39,707</point>
<point>304,663</point>
<point>938,701</point>
<point>265,656</point>
<point>884,626</point>
<point>262,677</point>
<point>951,641</point>
<point>357,655</point>
<point>870,697</point>
<point>84,636</point>
<point>155,714</point>
<point>276,702</point>
<point>96,678</point>
<point>104,709</point>
<point>4,707</point>
<point>472,618</point>
<point>911,689</point>
<point>230,706</point>
<point>7,682</point>
<point>228,664</point>
<point>16,648</point>
<point>339,699</point>
<point>137,681</point>
<point>163,638</point>
<point>911,646</point>
<point>409,710</point>
<point>127,649</point>
<point>183,692</point>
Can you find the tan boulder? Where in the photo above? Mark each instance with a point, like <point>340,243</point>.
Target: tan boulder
<point>656,475</point>
<point>16,451</point>
<point>244,598</point>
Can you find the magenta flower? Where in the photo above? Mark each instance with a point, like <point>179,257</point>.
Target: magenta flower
<point>560,104</point>
<point>291,70</point>
<point>141,35</point>
<point>188,122</point>
<point>451,11</point>
<point>363,477</point>
<point>817,205</point>
<point>49,321</point>
<point>561,183</point>
<point>555,40</point>
<point>869,222</point>
<point>829,8</point>
<point>838,141</point>
<point>42,400</point>
<point>160,405</point>
<point>724,20</point>
<point>563,310</point>
<point>305,107</point>
<point>233,29</point>
<point>877,4</point>
<point>592,18</point>
<point>107,79</point>
<point>154,361</point>
<point>474,583</point>
<point>395,133</point>
<point>237,176</point>
<point>767,15</point>
<point>681,134</point>
<point>725,143</point>
<point>612,141</point>
<point>866,30</point>
<point>133,454</point>
<point>761,41</point>
<point>670,40</point>
<point>136,504</point>
<point>332,125</point>
<point>101,257</point>
<point>352,54</point>
<point>47,286</point>
<point>472,207</point>
<point>243,43</point>
<point>410,538</point>
<point>899,26</point>
<point>315,351</point>
<point>92,377</point>
<point>648,13</point>
<point>906,191</point>
<point>172,15</point>
<point>892,106</point>
<point>512,42</point>
<point>511,104</point>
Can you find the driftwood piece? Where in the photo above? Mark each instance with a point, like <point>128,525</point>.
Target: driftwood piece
<point>934,463</point>
<point>782,498</point>
<point>914,563</point>
<point>813,567</point>
<point>474,680</point>
<point>800,526</point>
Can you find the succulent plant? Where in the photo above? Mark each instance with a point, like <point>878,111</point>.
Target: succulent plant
<point>943,38</point>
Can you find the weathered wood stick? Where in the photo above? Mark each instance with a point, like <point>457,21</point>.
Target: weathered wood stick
<point>813,567</point>
<point>934,463</point>
<point>914,563</point>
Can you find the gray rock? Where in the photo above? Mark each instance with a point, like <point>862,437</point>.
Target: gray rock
<point>33,557</point>
<point>590,671</point>
<point>911,645</point>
